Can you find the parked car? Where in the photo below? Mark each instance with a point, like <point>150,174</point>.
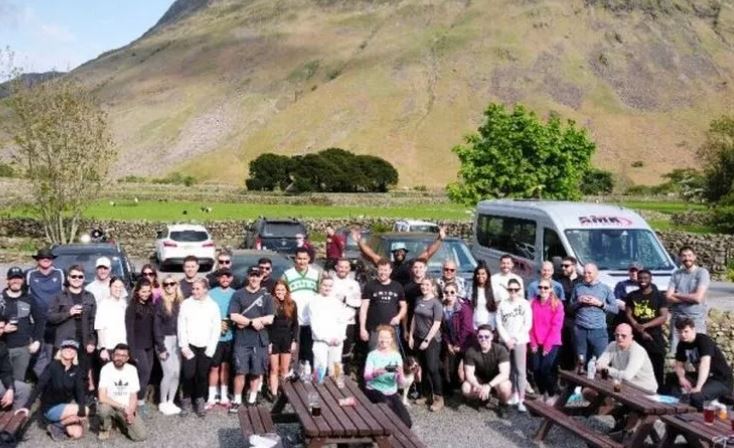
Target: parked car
<point>411,225</point>
<point>244,258</point>
<point>452,248</point>
<point>86,255</point>
<point>351,249</point>
<point>178,241</point>
<point>278,235</point>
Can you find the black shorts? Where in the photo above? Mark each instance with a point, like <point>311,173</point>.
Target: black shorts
<point>250,360</point>
<point>223,355</point>
<point>281,344</point>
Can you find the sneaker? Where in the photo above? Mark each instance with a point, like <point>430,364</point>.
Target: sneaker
<point>210,405</point>
<point>515,399</point>
<point>144,411</point>
<point>437,404</point>
<point>103,435</point>
<point>234,408</point>
<point>200,408</point>
<point>174,409</point>
<point>521,407</point>
<point>251,399</point>
<point>185,407</point>
<point>56,432</point>
<point>164,408</point>
<point>225,403</point>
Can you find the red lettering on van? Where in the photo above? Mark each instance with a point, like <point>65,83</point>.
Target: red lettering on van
<point>595,220</point>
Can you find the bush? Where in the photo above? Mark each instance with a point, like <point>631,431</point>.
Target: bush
<point>596,182</point>
<point>722,218</point>
<point>717,154</point>
<point>176,179</point>
<point>133,179</point>
<point>7,170</point>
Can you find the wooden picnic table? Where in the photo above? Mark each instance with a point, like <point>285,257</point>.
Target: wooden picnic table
<point>643,410</point>
<point>696,432</point>
<point>363,423</point>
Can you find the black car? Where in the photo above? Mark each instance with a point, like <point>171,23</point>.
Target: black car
<point>244,258</point>
<point>278,235</point>
<point>87,254</point>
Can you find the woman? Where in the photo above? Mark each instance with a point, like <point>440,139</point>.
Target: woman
<point>425,339</point>
<point>283,334</point>
<point>545,338</point>
<point>514,319</point>
<point>383,371</point>
<point>139,320</point>
<point>482,298</point>
<point>62,382</point>
<point>110,328</point>
<point>329,320</point>
<point>457,334</point>
<point>165,328</point>
<point>149,273</point>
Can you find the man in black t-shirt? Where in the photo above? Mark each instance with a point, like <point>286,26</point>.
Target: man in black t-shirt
<point>413,290</point>
<point>487,369</point>
<point>383,303</point>
<point>568,279</point>
<point>712,376</point>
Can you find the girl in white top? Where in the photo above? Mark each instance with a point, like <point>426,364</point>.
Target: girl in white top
<point>329,318</point>
<point>481,296</point>
<point>514,320</point>
<point>110,319</point>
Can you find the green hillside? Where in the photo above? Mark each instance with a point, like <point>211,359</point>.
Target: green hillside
<point>218,82</point>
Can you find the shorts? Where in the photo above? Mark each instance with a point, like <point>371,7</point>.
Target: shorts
<point>250,360</point>
<point>54,414</point>
<point>223,354</point>
<point>281,345</point>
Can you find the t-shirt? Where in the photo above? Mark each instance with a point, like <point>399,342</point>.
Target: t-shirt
<point>119,383</point>
<point>304,286</point>
<point>401,271</point>
<point>703,345</point>
<point>486,365</point>
<point>387,382</point>
<point>186,288</point>
<point>426,313</point>
<point>251,305</point>
<point>685,282</point>
<point>384,302</point>
<point>110,318</point>
<point>644,308</point>
<point>222,298</point>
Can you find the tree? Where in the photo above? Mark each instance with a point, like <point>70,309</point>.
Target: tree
<point>514,155</point>
<point>64,143</point>
<point>379,175</point>
<point>268,172</point>
<point>717,155</point>
<point>596,181</point>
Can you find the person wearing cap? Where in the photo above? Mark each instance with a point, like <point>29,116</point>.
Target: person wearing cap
<point>118,391</point>
<point>62,391</point>
<point>100,286</point>
<point>621,290</point>
<point>252,311</point>
<point>219,371</point>
<point>25,322</point>
<point>43,283</point>
<point>401,265</point>
<point>303,281</point>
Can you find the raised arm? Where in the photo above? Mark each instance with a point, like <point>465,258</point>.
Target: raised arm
<point>366,250</point>
<point>431,250</point>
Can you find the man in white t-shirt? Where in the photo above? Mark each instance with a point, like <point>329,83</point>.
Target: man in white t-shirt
<point>118,399</point>
<point>500,279</point>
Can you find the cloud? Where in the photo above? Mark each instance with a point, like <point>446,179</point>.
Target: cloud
<point>57,33</point>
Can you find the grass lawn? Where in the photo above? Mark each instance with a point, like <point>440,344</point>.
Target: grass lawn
<point>668,207</point>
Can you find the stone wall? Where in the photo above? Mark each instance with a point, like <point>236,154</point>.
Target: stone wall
<point>720,327</point>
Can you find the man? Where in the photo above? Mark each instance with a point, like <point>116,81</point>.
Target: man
<point>412,291</point>
<point>624,287</point>
<point>383,303</point>
<point>348,291</point>
<point>546,273</point>
<point>118,397</point>
<point>303,281</point>
<point>301,242</point>
<point>334,248</point>
<point>219,371</point>
<point>224,261</point>
<point>24,330</point>
<point>711,377</point>
<point>266,270</point>
<point>252,310</point>
<point>191,269</point>
<point>100,286</point>
<point>448,275</point>
<point>400,265</point>
<point>13,393</point>
<point>568,279</point>
<point>647,312</point>
<point>44,282</point>
<point>487,369</point>
<point>500,279</point>
<point>591,300</point>
<point>626,360</point>
<point>686,293</point>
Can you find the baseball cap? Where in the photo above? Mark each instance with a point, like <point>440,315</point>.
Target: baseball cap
<point>223,271</point>
<point>635,266</point>
<point>398,246</point>
<point>103,261</point>
<point>70,343</point>
<point>253,270</point>
<point>15,272</point>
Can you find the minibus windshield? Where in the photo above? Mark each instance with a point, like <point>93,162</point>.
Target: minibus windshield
<point>615,249</point>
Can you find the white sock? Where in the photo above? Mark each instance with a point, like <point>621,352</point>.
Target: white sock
<point>141,402</point>
<point>237,399</point>
<point>224,394</point>
<point>251,397</point>
<point>212,394</point>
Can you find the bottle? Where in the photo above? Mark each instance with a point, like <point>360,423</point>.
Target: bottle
<point>306,372</point>
<point>591,370</point>
<point>580,364</point>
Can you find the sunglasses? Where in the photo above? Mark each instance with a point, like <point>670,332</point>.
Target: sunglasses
<point>449,270</point>
<point>483,337</point>
<point>450,293</point>
<point>149,274</point>
<point>167,284</point>
<point>543,288</point>
<point>224,261</point>
<point>513,289</point>
<point>266,268</point>
<point>76,277</point>
<point>566,265</point>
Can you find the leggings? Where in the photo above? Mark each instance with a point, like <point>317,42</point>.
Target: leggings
<point>431,366</point>
<point>171,369</point>
<point>305,344</point>
<point>196,374</point>
<point>518,368</point>
<point>393,402</point>
<point>144,362</point>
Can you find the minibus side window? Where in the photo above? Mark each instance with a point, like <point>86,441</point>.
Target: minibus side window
<point>552,245</point>
<point>515,236</point>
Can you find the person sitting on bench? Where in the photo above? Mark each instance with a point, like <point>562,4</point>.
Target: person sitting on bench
<point>487,369</point>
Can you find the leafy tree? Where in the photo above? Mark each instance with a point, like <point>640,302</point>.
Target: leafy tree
<point>268,172</point>
<point>596,182</point>
<point>379,174</point>
<point>64,143</point>
<point>717,154</point>
<point>513,154</point>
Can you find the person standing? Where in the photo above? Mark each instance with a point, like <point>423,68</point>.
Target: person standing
<point>384,371</point>
<point>165,330</point>
<point>100,286</point>
<point>44,282</point>
<point>383,303</point>
<point>425,340</point>
<point>303,282</point>
<point>545,338</point>
<point>568,279</point>
<point>481,297</point>
<point>348,291</point>
<point>139,326</point>
<point>283,335</point>
<point>219,372</point>
<point>334,247</point>
<point>647,312</point>
<point>111,329</point>
<point>329,319</point>
<point>501,279</point>
<point>413,293</point>
<point>24,328</point>
<point>252,311</point>
<point>118,392</point>
<point>266,271</point>
<point>302,242</point>
<point>457,335</point>
<point>514,320</point>
<point>191,270</point>
<point>546,273</point>
<point>591,300</point>
<point>686,293</point>
<point>199,327</point>
<point>224,261</point>
<point>448,275</point>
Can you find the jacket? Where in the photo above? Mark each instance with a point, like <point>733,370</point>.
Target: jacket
<point>31,320</point>
<point>547,324</point>
<point>460,330</point>
<point>6,368</point>
<point>58,314</point>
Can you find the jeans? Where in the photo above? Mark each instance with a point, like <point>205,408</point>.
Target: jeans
<point>20,357</point>
<point>590,342</point>
<point>699,322</point>
<point>545,370</point>
<point>518,368</point>
<point>107,414</point>
<point>196,374</point>
<point>431,365</point>
<point>711,390</point>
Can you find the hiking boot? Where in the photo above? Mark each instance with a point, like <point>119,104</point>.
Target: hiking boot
<point>185,407</point>
<point>437,404</point>
<point>56,432</point>
<point>200,408</point>
<point>103,435</point>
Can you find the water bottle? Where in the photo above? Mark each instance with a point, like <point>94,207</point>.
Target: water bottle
<point>591,370</point>
<point>306,372</point>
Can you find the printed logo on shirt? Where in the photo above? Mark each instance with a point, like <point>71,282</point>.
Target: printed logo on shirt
<point>644,310</point>
<point>693,356</point>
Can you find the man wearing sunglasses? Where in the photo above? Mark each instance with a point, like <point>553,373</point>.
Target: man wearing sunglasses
<point>448,275</point>
<point>266,270</point>
<point>224,261</point>
<point>44,282</point>
<point>487,370</point>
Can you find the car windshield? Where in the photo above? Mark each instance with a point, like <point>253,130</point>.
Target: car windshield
<point>240,263</point>
<point>615,249</point>
<point>351,244</point>
<point>189,236</point>
<point>282,229</point>
<point>430,228</point>
<point>88,261</point>
<point>455,250</point>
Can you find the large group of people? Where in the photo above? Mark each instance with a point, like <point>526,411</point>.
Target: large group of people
<point>96,349</point>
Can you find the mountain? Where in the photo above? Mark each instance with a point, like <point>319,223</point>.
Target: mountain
<point>29,79</point>
<point>215,83</point>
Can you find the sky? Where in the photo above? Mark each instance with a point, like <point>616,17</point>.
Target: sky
<point>61,34</point>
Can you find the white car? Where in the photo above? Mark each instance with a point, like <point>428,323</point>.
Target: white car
<point>410,225</point>
<point>178,241</point>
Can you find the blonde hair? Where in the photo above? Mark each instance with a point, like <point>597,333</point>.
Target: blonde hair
<point>554,300</point>
<point>391,330</point>
<point>170,300</point>
<point>74,361</point>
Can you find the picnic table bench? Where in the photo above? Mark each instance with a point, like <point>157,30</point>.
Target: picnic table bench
<point>11,426</point>
<point>255,420</point>
<point>696,432</point>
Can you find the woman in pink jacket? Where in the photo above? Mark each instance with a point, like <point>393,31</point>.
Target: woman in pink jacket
<point>545,339</point>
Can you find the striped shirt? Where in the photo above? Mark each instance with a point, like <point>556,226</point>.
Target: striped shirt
<point>304,287</point>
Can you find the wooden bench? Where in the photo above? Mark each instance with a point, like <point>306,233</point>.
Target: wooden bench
<point>255,420</point>
<point>402,436</point>
<point>557,417</point>
<point>696,432</point>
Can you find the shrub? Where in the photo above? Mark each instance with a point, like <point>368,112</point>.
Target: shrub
<point>6,170</point>
<point>596,182</point>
